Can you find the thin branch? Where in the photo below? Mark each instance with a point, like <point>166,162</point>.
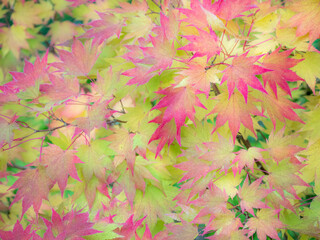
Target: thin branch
<point>12,165</point>
<point>215,89</point>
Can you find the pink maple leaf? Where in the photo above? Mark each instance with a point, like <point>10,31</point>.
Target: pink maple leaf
<point>80,60</point>
<point>31,181</point>
<point>60,164</point>
<point>160,55</point>
<point>280,63</point>
<point>179,103</point>
<point>19,233</point>
<point>103,28</point>
<point>31,73</point>
<point>206,44</point>
<point>229,9</point>
<point>60,88</point>
<point>236,111</point>
<point>141,75</point>
<point>72,225</point>
<point>251,196</point>
<point>241,73</point>
<point>196,15</point>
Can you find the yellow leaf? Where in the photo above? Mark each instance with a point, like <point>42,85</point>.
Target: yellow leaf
<point>309,68</point>
<point>13,39</point>
<point>26,14</point>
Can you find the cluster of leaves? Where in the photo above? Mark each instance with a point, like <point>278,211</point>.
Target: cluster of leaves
<point>160,119</point>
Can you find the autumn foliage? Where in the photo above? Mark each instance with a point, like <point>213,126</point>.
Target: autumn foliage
<point>160,119</point>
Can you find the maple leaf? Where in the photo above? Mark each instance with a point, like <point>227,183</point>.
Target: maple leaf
<point>6,134</point>
<point>95,158</point>
<point>279,107</point>
<point>241,73</point>
<point>225,223</point>
<point>160,55</point>
<point>76,3</point>
<point>235,110</point>
<point>213,202</point>
<point>169,25</point>
<point>220,154</point>
<point>283,177</point>
<point>122,144</point>
<point>264,224</point>
<point>96,117</point>
<point>148,236</point>
<point>106,84</point>
<point>32,74</point>
<point>129,228</point>
<point>280,63</point>
<point>196,15</point>
<point>19,233</point>
<point>61,32</point>
<point>134,6</point>
<point>26,14</point>
<point>73,225</point>
<point>131,182</point>
<point>80,60</point>
<point>308,69</point>
<point>307,19</point>
<point>198,76</point>
<point>246,157</point>
<point>195,168</point>
<point>154,204</point>
<point>141,75</point>
<point>222,8</point>
<point>60,88</point>
<point>280,148</point>
<point>166,132</point>
<point>186,230</point>
<point>179,103</point>
<point>102,29</point>
<point>251,195</point>
<point>32,181</point>
<point>206,44</point>
<point>60,164</point>
<point>13,39</point>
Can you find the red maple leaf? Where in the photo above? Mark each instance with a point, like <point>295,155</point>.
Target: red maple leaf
<point>166,132</point>
<point>179,103</point>
<point>241,73</point>
<point>280,63</point>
